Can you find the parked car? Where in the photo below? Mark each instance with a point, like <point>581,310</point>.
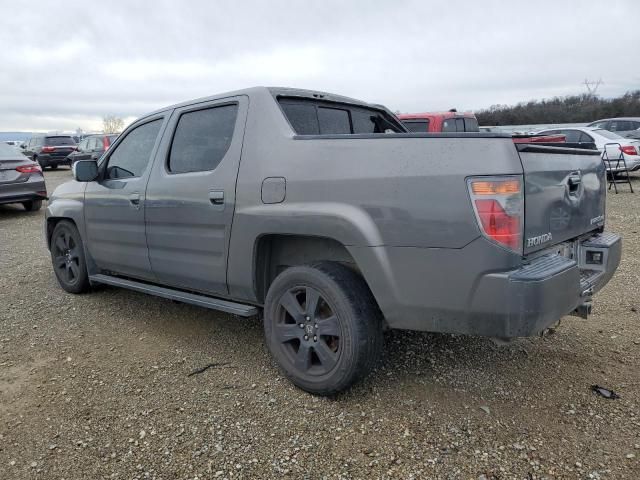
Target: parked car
<point>21,179</point>
<point>624,126</point>
<point>91,148</point>
<point>322,213</point>
<point>49,150</point>
<point>434,122</point>
<point>616,145</point>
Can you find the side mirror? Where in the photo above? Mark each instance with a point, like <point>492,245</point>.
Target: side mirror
<point>85,170</point>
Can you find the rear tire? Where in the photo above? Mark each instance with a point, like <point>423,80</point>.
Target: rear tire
<point>54,166</point>
<point>32,205</point>
<point>323,327</point>
<point>67,257</point>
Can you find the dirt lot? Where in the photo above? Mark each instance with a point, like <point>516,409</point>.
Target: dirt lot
<point>97,386</point>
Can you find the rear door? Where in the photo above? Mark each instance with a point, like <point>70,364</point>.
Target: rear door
<point>190,197</point>
<point>564,194</point>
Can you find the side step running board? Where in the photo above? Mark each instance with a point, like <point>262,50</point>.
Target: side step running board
<point>185,297</point>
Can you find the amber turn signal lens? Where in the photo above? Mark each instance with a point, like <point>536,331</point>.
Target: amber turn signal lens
<point>505,187</point>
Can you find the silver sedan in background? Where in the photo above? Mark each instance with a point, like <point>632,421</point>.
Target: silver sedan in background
<point>617,147</point>
<point>21,179</point>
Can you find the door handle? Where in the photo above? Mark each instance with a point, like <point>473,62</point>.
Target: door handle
<point>216,197</point>
<point>134,198</point>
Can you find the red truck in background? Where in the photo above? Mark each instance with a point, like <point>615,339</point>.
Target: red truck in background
<point>434,122</point>
<point>454,121</point>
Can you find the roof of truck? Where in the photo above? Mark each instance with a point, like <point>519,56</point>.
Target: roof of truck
<point>274,91</point>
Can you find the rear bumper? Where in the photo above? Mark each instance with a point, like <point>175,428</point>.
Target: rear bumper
<point>32,189</point>
<point>525,301</point>
<point>474,291</point>
<point>47,160</point>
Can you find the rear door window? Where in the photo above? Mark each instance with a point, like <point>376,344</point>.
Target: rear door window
<point>131,157</point>
<point>621,126</point>
<point>202,139</point>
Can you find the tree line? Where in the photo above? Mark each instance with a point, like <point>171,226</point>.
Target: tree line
<point>571,109</point>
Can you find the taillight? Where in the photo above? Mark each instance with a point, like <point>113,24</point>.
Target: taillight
<point>629,150</point>
<point>499,208</point>
<point>29,169</point>
<point>105,143</point>
<point>47,149</point>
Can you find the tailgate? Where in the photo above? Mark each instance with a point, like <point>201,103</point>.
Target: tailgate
<point>565,193</point>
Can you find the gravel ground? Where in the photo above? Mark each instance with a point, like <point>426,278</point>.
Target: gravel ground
<point>97,386</point>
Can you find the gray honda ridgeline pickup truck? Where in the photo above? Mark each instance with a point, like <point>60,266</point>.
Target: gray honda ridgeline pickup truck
<point>324,215</point>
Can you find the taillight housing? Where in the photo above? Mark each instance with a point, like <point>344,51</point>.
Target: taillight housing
<point>29,169</point>
<point>498,203</point>
<point>48,149</point>
<point>629,150</point>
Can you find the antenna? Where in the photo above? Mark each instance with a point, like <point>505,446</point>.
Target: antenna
<point>592,86</point>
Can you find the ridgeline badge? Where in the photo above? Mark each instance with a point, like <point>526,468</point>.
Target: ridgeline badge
<point>539,240</point>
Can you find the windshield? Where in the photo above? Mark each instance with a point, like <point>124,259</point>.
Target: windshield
<point>607,134</point>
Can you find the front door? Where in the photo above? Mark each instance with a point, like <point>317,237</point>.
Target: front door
<point>191,195</point>
<point>115,204</point>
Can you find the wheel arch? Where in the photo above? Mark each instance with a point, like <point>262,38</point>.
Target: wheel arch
<point>273,253</point>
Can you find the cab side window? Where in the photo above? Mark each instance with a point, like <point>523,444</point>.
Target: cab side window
<point>131,157</point>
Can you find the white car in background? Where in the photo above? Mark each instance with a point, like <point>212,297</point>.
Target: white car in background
<point>615,145</point>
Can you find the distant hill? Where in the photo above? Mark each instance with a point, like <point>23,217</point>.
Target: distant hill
<point>572,109</point>
<point>22,136</point>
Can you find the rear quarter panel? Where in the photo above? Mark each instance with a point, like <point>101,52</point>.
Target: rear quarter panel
<point>398,190</point>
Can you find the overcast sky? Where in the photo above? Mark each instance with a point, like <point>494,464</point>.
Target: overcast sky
<point>66,64</point>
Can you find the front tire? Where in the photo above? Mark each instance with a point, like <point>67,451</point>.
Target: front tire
<point>32,205</point>
<point>67,257</point>
<point>323,327</point>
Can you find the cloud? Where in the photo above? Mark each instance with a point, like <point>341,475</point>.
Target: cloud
<point>67,65</point>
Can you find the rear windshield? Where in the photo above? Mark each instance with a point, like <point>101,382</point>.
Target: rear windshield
<point>607,134</point>
<point>54,141</point>
<point>418,126</point>
<point>9,151</point>
<point>460,124</point>
<point>315,117</point>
